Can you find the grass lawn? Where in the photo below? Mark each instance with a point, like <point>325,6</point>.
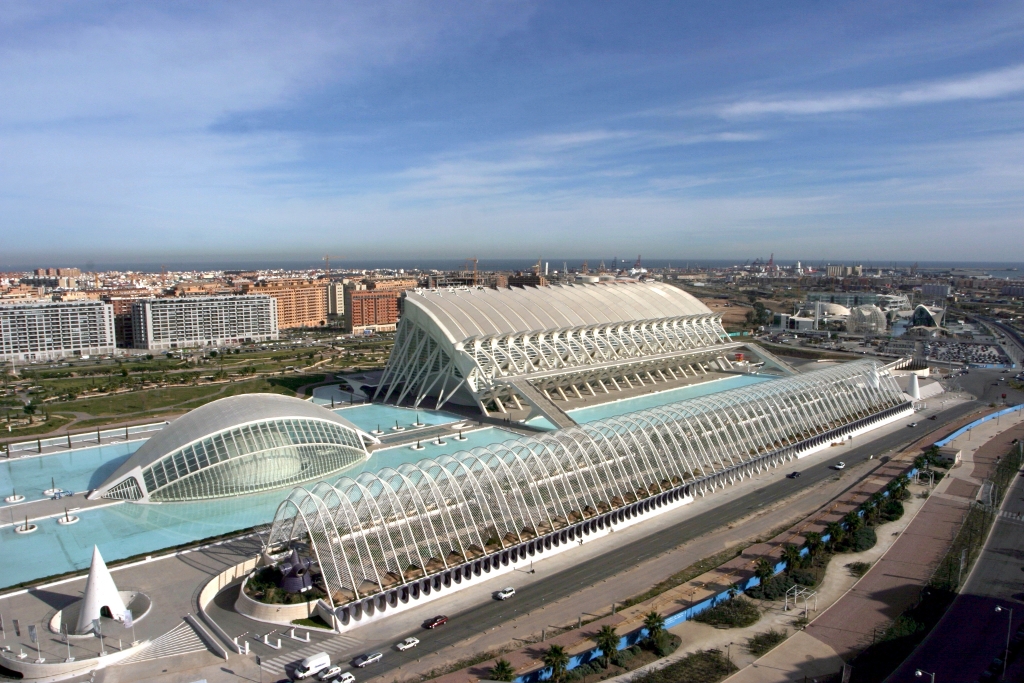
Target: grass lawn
<point>55,422</point>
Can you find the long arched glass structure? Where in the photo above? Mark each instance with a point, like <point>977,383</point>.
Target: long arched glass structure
<point>380,531</point>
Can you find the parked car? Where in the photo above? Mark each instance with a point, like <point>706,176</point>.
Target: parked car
<point>439,620</point>
<point>313,664</point>
<point>912,424</point>
<point>793,475</point>
<point>505,593</point>
<point>330,673</point>
<point>371,658</point>
<point>840,465</point>
<point>408,644</point>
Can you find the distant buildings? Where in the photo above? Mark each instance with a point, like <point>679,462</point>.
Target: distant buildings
<point>46,331</point>
<point>936,291</point>
<point>300,303</point>
<point>370,310</point>
<point>162,324</point>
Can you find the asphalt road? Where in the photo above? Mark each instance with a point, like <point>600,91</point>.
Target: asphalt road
<point>972,633</point>
<point>566,582</point>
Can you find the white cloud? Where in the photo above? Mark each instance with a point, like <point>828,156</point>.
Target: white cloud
<point>988,85</point>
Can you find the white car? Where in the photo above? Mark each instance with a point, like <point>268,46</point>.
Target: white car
<point>327,674</point>
<point>505,593</point>
<point>408,644</point>
<point>840,465</point>
<point>371,658</point>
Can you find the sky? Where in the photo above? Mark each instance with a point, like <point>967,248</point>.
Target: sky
<point>202,131</point>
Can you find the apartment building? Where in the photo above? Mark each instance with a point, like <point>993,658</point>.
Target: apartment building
<point>300,303</point>
<point>48,331</point>
<point>371,310</point>
<point>173,323</point>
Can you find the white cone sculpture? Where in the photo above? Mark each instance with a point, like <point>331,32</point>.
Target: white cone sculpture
<point>100,592</point>
<point>915,389</point>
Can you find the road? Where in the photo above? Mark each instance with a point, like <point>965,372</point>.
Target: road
<point>564,583</point>
<point>971,634</point>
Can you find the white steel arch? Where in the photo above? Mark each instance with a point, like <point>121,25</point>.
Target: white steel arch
<point>386,529</point>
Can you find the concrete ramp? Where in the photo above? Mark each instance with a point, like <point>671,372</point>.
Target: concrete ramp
<point>771,358</point>
<point>541,403</point>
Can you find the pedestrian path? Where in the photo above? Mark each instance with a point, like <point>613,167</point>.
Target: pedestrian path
<point>181,639</point>
<point>341,648</point>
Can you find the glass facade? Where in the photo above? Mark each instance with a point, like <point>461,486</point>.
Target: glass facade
<point>248,458</point>
<point>380,529</point>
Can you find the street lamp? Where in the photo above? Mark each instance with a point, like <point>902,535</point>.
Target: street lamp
<point>1009,629</point>
<point>919,673</point>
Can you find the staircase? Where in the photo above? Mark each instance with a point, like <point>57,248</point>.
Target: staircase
<point>542,404</point>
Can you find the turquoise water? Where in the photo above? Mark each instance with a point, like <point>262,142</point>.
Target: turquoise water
<point>631,405</point>
<point>77,470</point>
<point>370,415</point>
<point>126,529</point>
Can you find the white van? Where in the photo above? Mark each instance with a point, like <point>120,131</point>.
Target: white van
<point>312,664</point>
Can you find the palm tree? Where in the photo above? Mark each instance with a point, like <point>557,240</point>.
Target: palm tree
<point>812,541</point>
<point>791,554</point>
<point>835,532</point>
<point>655,625</point>
<point>556,659</point>
<point>608,642</point>
<point>764,570</point>
<point>502,671</point>
<point>852,521</point>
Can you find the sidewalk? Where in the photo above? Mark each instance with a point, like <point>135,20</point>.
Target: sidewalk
<point>894,582</point>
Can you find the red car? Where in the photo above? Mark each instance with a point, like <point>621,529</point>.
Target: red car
<point>439,620</point>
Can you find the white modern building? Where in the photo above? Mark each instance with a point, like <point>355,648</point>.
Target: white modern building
<point>504,347</point>
<point>174,323</point>
<point>46,331</point>
<point>237,445</point>
<point>386,540</point>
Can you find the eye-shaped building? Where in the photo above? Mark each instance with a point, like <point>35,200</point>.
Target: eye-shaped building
<point>238,445</point>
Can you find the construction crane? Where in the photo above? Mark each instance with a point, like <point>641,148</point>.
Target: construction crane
<point>327,260</point>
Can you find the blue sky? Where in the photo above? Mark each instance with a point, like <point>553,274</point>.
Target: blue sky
<point>204,131</point>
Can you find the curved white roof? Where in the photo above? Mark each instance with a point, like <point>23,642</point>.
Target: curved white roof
<point>220,415</point>
<point>466,313</point>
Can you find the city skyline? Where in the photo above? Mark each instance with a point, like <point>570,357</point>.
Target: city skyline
<point>408,131</point>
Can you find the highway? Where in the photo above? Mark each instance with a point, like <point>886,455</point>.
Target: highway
<point>562,584</point>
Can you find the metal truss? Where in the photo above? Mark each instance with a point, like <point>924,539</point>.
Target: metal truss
<point>380,531</point>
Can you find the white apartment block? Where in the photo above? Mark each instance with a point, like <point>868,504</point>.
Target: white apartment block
<point>47,331</point>
<point>163,324</point>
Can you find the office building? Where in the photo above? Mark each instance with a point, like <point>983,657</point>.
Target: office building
<point>174,323</point>
<point>936,291</point>
<point>46,331</point>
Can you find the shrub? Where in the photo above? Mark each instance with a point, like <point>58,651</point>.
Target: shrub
<point>763,642</point>
<point>891,510</point>
<point>804,577</point>
<point>859,541</point>
<point>733,613</point>
<point>902,627</point>
<point>703,666</point>
<point>859,568</point>
<point>774,588</point>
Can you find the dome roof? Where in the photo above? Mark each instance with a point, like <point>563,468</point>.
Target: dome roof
<point>222,416</point>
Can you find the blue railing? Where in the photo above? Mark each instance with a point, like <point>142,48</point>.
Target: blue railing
<point>966,428</point>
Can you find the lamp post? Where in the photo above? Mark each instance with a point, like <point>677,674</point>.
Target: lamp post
<point>1009,629</point>
<point>919,673</point>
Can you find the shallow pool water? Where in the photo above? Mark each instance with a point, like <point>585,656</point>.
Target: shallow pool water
<point>631,405</point>
<point>371,415</point>
<point>126,529</point>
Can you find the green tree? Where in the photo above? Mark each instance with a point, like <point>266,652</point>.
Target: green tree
<point>852,521</point>
<point>763,570</point>
<point>503,671</point>
<point>791,554</point>
<point>836,533</point>
<point>556,659</point>
<point>30,408</point>
<point>655,625</point>
<point>812,541</point>
<point>608,641</point>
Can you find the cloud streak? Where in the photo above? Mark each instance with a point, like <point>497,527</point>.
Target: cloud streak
<point>982,86</point>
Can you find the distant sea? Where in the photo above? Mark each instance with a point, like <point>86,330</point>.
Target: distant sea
<point>995,269</point>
